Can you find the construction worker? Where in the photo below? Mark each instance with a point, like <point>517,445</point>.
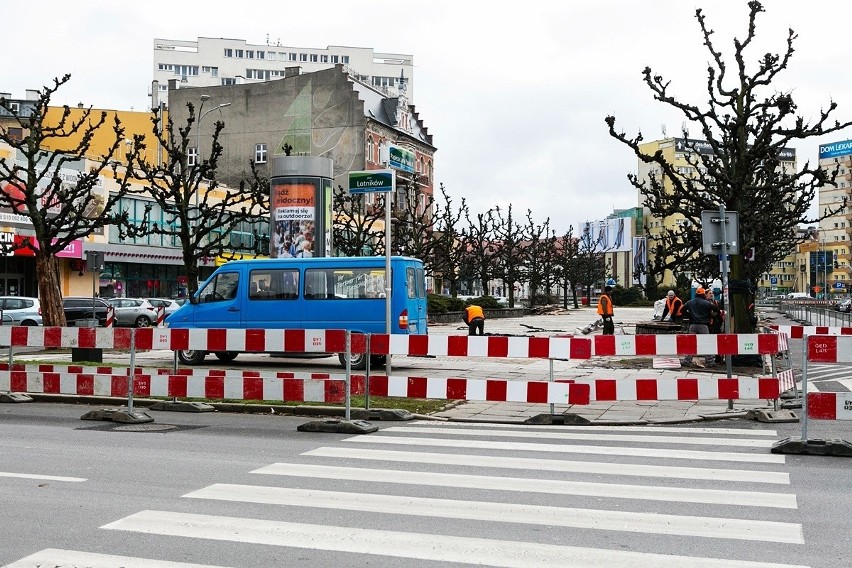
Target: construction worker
<point>673,308</point>
<point>606,312</point>
<point>700,312</point>
<point>474,317</point>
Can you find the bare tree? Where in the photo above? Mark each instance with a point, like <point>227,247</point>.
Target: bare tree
<point>538,259</point>
<point>479,248</point>
<point>193,208</point>
<point>414,222</point>
<point>568,267</point>
<point>510,257</point>
<point>741,162</point>
<point>355,224</point>
<point>62,191</point>
<point>450,242</point>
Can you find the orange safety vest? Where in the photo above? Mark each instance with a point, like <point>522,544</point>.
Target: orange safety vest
<point>474,312</point>
<point>604,305</point>
<point>670,306</point>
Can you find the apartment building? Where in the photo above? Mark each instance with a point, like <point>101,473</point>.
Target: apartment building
<point>208,62</point>
<point>835,231</point>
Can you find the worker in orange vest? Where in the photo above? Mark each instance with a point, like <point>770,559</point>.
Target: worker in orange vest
<point>674,308</point>
<point>474,317</point>
<point>605,311</point>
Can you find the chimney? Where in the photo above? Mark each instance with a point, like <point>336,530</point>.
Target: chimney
<point>32,95</point>
<point>292,71</point>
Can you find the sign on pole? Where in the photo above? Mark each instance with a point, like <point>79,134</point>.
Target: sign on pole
<point>712,231</point>
<point>400,159</point>
<point>371,181</point>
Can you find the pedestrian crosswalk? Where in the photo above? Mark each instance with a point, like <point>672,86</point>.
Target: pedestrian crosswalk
<point>492,495</point>
<point>829,377</point>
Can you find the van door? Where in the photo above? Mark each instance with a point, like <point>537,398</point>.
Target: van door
<point>220,301</point>
<point>415,301</point>
<point>273,299</point>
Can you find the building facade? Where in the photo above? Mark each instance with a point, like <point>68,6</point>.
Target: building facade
<point>207,62</point>
<point>835,231</point>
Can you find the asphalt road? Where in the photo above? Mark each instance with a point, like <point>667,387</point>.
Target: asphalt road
<point>250,491</point>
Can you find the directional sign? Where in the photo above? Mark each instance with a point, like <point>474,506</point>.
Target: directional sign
<point>372,181</point>
<point>400,159</point>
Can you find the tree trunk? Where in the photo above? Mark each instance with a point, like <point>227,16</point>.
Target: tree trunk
<point>49,289</point>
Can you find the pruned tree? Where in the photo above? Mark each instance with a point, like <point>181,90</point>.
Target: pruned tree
<point>589,266</point>
<point>356,223</point>
<point>510,257</point>
<point>479,248</point>
<point>414,222</point>
<point>59,186</point>
<point>742,161</point>
<point>450,241</point>
<point>188,204</point>
<point>539,257</point>
<point>568,269</point>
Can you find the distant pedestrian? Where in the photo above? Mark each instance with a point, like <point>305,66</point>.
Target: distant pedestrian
<point>606,312</point>
<point>474,317</point>
<point>673,308</point>
<point>700,312</point>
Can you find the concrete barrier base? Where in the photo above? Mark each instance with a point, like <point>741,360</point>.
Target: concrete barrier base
<point>384,414</point>
<point>813,446</point>
<point>118,415</point>
<point>764,415</point>
<point>181,406</point>
<point>338,427</point>
<point>15,397</point>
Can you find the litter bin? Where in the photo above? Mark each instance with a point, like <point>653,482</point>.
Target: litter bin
<point>93,354</point>
<point>584,300</point>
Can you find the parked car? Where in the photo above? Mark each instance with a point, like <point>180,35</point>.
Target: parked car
<point>20,310</point>
<point>79,308</point>
<point>168,304</point>
<point>133,312</point>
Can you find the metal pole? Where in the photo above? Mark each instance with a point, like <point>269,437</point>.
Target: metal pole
<point>367,376</point>
<point>348,395</point>
<point>805,388</point>
<point>550,379</point>
<point>725,294</point>
<point>388,199</point>
<point>132,370</point>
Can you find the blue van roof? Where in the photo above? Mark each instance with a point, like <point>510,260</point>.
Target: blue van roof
<point>354,260</point>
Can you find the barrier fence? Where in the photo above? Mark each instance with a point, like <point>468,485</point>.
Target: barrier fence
<point>825,406</point>
<point>213,384</point>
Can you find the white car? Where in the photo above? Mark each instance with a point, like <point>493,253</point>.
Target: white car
<point>168,304</point>
<point>133,312</point>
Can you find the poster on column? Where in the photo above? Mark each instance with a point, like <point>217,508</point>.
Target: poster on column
<point>293,214</point>
<point>640,260</point>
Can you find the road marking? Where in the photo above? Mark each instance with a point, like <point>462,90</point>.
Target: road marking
<point>603,468</point>
<point>66,558</point>
<point>572,449</point>
<point>650,430</point>
<point>571,517</point>
<point>727,442</point>
<point>421,546</point>
<point>589,489</point>
<point>43,477</point>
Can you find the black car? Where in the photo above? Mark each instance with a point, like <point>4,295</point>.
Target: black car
<point>81,308</point>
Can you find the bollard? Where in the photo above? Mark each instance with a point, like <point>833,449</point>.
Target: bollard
<point>110,319</point>
<point>161,315</point>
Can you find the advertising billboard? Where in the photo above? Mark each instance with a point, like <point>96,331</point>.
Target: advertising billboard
<point>835,149</point>
<point>609,235</point>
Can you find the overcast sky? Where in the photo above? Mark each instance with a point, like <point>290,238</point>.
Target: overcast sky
<point>514,93</point>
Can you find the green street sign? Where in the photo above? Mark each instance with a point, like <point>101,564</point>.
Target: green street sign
<point>401,159</point>
<point>371,181</point>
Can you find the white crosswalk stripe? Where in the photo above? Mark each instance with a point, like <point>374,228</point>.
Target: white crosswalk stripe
<point>451,495</point>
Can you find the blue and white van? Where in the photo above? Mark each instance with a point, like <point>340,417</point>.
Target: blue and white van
<point>307,293</point>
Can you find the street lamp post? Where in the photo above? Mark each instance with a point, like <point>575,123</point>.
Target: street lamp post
<point>201,116</point>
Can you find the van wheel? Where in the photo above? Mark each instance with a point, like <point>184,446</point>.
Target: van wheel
<point>357,360</point>
<point>191,357</point>
<point>226,356</point>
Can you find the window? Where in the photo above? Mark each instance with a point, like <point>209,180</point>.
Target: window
<point>239,53</point>
<point>165,67</point>
<point>335,59</point>
<point>191,156</point>
<point>303,57</point>
<point>229,52</point>
<point>343,284</point>
<point>270,55</point>
<point>370,149</point>
<point>324,58</point>
<point>314,58</point>
<point>229,81</point>
<point>260,153</point>
<point>345,59</point>
<point>273,284</point>
<point>250,54</point>
<point>293,57</point>
<point>222,287</point>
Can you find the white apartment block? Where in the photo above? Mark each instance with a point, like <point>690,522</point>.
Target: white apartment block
<point>221,61</point>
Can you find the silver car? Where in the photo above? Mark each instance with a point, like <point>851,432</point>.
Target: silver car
<point>133,312</point>
<point>20,310</point>
<point>169,305</point>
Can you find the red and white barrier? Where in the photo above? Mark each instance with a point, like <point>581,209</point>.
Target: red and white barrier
<point>481,346</point>
<point>710,388</point>
<point>829,349</point>
<point>799,331</point>
<point>686,344</point>
<point>232,388</point>
<point>830,405</point>
<point>161,316</point>
<point>110,319</point>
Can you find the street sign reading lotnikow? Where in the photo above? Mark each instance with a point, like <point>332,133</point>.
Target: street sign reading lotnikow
<point>371,181</point>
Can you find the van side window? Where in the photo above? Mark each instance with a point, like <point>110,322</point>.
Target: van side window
<point>273,284</point>
<point>411,281</point>
<point>345,283</point>
<point>222,287</point>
